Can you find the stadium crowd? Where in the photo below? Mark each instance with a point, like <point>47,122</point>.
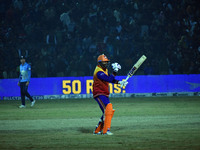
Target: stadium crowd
<point>64,37</point>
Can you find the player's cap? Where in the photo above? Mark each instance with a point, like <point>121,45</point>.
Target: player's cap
<point>102,58</point>
<point>22,57</point>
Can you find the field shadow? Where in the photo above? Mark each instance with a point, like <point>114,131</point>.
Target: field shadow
<point>117,128</point>
<point>89,130</point>
<point>84,130</point>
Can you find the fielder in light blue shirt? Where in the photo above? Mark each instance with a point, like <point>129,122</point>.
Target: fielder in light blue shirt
<point>25,72</point>
<point>24,80</point>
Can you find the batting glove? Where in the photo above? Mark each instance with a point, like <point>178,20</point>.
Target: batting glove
<point>116,67</point>
<point>123,83</point>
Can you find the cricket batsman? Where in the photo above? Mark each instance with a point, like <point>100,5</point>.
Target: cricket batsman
<point>101,93</point>
<point>24,79</point>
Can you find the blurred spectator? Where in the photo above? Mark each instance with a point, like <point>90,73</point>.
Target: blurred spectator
<point>116,14</point>
<point>18,4</point>
<point>65,19</point>
<point>67,34</point>
<point>148,69</point>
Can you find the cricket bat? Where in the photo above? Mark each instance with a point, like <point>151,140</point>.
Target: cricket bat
<point>136,66</point>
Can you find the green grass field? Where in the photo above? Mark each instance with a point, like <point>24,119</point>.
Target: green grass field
<point>138,124</point>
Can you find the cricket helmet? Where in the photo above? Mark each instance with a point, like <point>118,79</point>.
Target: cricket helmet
<point>103,61</point>
<point>102,58</point>
<point>22,56</point>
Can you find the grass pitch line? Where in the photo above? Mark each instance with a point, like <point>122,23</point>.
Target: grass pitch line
<point>126,121</point>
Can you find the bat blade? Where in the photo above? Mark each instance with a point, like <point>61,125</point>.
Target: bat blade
<point>136,66</point>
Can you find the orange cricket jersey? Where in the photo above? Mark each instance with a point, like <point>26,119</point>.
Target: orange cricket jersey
<point>100,87</point>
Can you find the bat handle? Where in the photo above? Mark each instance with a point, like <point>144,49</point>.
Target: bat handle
<point>127,78</point>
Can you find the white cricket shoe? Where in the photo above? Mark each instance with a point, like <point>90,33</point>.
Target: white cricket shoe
<point>99,133</point>
<point>22,106</point>
<point>32,103</point>
<point>108,133</point>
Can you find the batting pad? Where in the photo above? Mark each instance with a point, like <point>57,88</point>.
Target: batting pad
<point>109,112</point>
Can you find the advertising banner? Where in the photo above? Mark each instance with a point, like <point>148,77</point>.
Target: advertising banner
<point>69,87</point>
